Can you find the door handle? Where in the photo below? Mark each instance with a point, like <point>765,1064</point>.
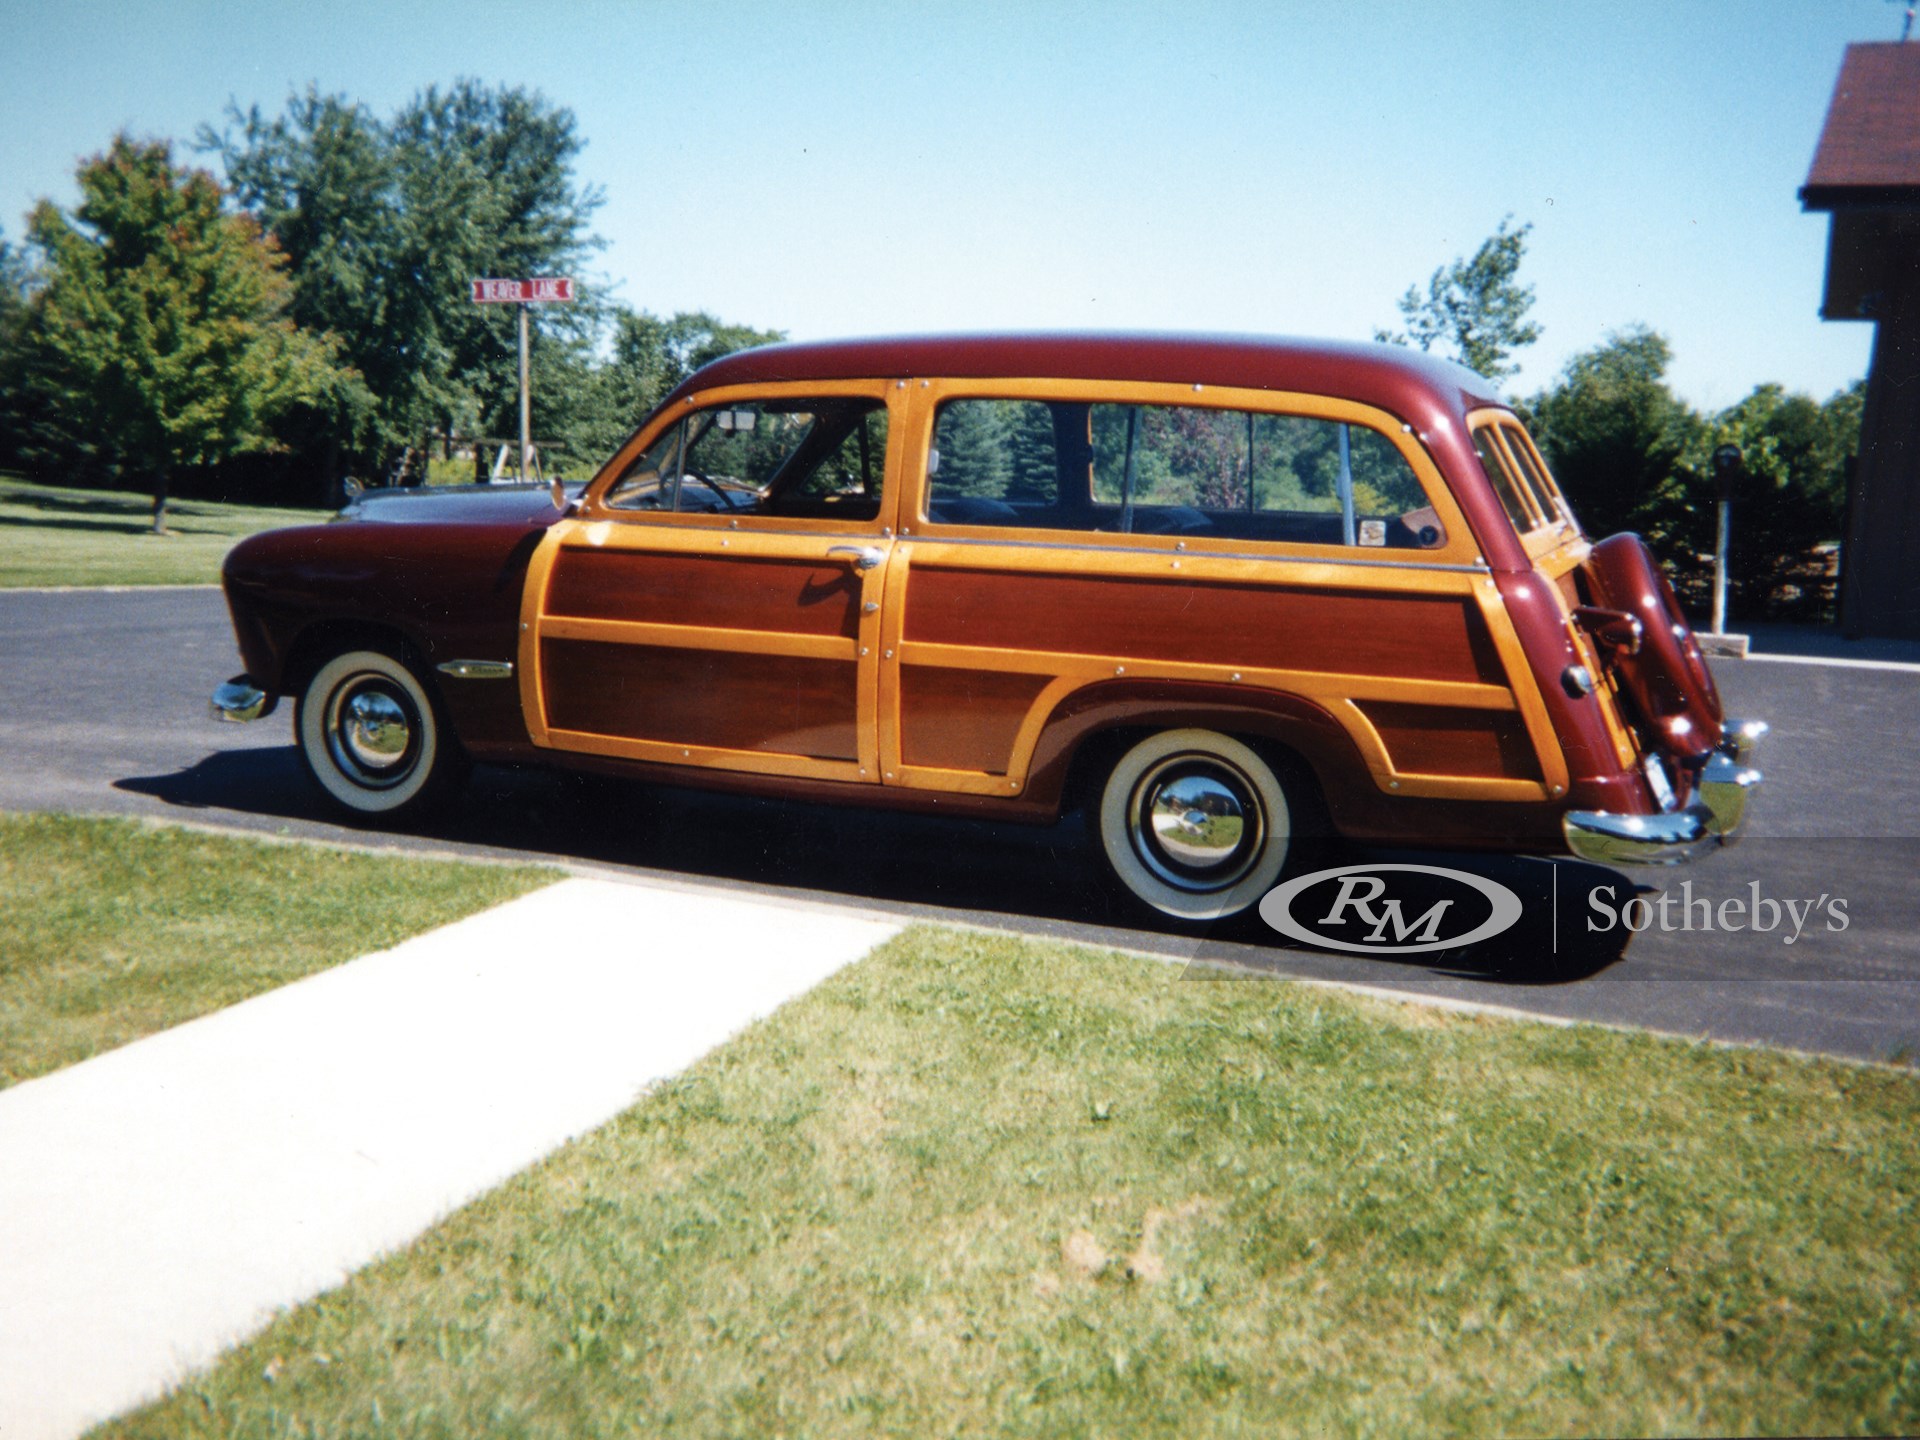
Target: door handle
<point>864,557</point>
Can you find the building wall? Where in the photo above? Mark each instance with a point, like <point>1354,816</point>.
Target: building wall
<point>1880,565</point>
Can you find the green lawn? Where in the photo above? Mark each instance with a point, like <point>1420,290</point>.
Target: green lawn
<point>55,536</point>
<point>110,930</point>
<point>978,1185</point>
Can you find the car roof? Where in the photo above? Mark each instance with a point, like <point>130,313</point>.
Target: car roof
<point>1404,382</point>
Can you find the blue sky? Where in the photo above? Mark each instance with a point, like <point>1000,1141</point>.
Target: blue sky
<point>1284,167</point>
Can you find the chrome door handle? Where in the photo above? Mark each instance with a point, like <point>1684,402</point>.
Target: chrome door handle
<point>864,557</point>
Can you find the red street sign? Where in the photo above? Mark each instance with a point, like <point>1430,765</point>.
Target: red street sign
<point>494,292</point>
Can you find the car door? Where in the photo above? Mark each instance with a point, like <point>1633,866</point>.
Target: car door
<point>715,603</point>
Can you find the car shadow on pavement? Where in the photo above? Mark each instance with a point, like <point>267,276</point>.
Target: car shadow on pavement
<point>926,864</point>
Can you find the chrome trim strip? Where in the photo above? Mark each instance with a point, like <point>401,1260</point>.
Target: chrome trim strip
<point>643,520</point>
<point>240,700</point>
<point>477,669</point>
<point>934,537</point>
<point>926,537</point>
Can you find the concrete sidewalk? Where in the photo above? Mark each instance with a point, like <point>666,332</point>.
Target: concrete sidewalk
<point>162,1201</point>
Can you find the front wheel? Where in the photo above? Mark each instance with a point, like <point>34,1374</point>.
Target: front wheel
<point>1195,824</point>
<point>372,737</point>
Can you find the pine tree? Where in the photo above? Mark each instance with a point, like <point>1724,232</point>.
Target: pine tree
<point>1033,472</point>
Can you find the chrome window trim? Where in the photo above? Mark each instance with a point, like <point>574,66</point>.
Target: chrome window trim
<point>1272,557</point>
<point>671,520</point>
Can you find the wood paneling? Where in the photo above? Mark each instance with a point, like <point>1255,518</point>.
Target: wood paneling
<point>963,719</point>
<point>1412,636</point>
<point>807,597</point>
<point>1429,740</point>
<point>736,701</point>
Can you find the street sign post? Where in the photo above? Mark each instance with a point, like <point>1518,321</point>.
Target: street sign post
<point>543,290</point>
<point>523,292</point>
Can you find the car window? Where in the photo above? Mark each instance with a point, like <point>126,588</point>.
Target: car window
<point>647,482</point>
<point>822,458</point>
<point>1515,497</point>
<point>1519,477</point>
<point>1168,469</point>
<point>1527,459</point>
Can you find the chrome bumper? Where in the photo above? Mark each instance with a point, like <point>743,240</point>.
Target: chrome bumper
<point>240,700</point>
<point>1715,817</point>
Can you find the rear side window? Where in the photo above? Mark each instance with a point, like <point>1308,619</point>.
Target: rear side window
<point>1514,469</point>
<point>1507,485</point>
<point>1166,469</point>
<point>1527,459</point>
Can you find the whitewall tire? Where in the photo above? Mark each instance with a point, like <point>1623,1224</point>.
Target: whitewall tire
<point>1195,824</point>
<point>372,737</point>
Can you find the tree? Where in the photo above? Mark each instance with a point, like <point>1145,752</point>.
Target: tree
<point>1615,434</point>
<point>1033,469</point>
<point>14,278</point>
<point>971,438</point>
<point>1789,502</point>
<point>385,222</point>
<point>1475,308</point>
<point>1631,455</point>
<point>593,407</point>
<point>161,326</point>
<point>322,181</point>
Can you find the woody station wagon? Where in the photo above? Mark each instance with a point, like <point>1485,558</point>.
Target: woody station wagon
<point>1225,594</point>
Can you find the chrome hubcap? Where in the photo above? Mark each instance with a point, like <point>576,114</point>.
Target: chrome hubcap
<point>372,730</point>
<point>1196,822</point>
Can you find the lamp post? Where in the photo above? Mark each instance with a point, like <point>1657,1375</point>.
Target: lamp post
<point>1727,463</point>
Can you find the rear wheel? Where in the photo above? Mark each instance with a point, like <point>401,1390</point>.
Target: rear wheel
<point>1196,824</point>
<point>372,737</point>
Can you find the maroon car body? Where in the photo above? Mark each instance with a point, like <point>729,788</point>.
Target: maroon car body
<point>1482,676</point>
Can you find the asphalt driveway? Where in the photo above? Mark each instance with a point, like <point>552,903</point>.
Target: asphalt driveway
<point>103,710</point>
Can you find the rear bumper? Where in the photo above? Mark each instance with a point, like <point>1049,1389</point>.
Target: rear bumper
<point>1714,818</point>
<point>240,700</point>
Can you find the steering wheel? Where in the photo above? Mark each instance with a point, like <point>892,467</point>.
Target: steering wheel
<point>727,502</point>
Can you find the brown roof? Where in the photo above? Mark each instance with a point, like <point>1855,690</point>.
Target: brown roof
<point>1870,149</point>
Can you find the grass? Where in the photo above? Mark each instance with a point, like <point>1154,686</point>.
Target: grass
<point>979,1185</point>
<point>110,930</point>
<point>55,536</point>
